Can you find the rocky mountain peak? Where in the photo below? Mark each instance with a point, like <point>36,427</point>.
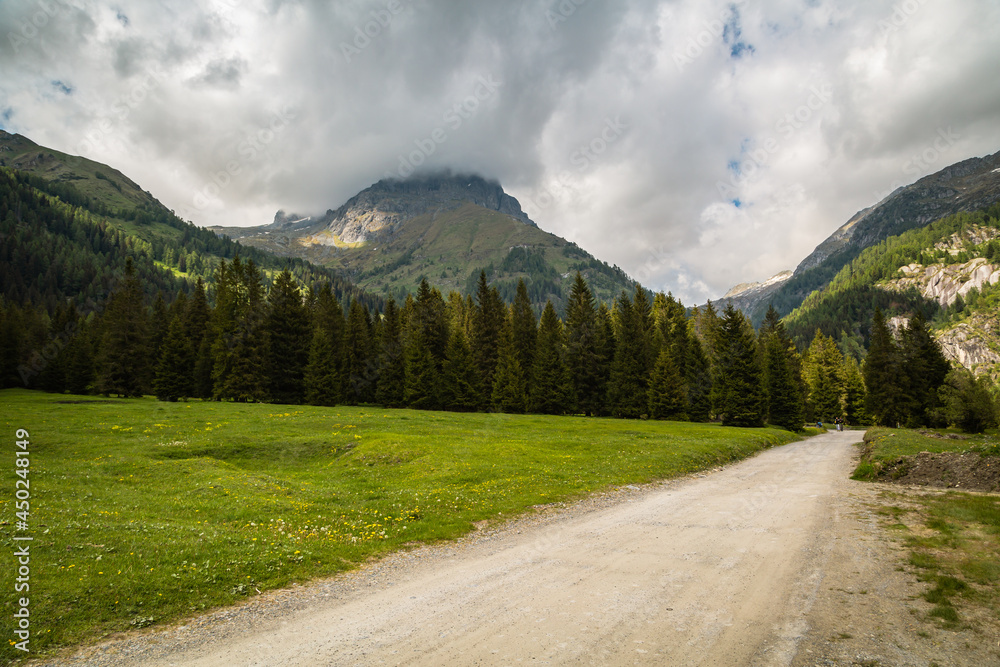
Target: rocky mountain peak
<point>382,208</point>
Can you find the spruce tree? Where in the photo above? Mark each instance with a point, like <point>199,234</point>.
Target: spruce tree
<point>421,389</point>
<point>487,320</point>
<point>740,377</point>
<point>781,388</point>
<point>882,375</point>
<point>200,334</point>
<point>122,362</point>
<point>290,336</point>
<point>360,368</point>
<point>854,397</point>
<point>159,323</point>
<point>323,377</point>
<point>550,386</point>
<point>508,382</point>
<point>698,379</point>
<point>924,369</point>
<point>823,369</point>
<point>460,378</point>
<point>240,349</point>
<point>582,351</point>
<point>525,329</point>
<point>606,346</point>
<point>391,360</point>
<point>174,370</point>
<point>667,398</point>
<point>629,371</point>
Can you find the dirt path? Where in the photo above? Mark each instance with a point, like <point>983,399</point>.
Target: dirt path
<point>743,566</point>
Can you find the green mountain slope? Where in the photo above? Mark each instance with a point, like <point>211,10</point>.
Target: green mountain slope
<point>969,185</point>
<point>949,269</point>
<point>67,225</point>
<point>442,228</point>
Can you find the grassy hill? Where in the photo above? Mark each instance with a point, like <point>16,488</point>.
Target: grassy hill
<point>67,225</point>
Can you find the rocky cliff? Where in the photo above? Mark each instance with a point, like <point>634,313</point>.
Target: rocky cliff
<point>381,209</point>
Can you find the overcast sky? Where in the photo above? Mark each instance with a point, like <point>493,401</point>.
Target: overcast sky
<point>695,144</point>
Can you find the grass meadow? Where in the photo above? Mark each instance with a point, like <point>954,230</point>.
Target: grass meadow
<point>143,512</point>
<point>953,537</point>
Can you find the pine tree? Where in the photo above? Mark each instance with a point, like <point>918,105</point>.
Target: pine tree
<point>667,398</point>
<point>122,361</point>
<point>582,350</point>
<point>460,378</point>
<point>240,350</point>
<point>360,367</point>
<point>200,334</point>
<point>882,375</point>
<point>525,329</point>
<point>967,403</point>
<point>174,370</point>
<point>487,320</point>
<point>741,390</point>
<point>607,347</point>
<point>508,383</point>
<point>854,397</point>
<point>290,335</point>
<point>550,387</point>
<point>323,377</point>
<point>421,389</point>
<point>823,369</point>
<point>781,388</point>
<point>159,323</point>
<point>391,360</point>
<point>698,379</point>
<point>629,371</point>
<point>924,369</point>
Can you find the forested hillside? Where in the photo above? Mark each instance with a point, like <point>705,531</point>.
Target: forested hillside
<point>878,278</point>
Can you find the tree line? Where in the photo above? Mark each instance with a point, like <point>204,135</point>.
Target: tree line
<point>643,356</point>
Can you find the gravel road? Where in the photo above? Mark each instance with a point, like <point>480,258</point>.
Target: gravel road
<point>723,568</point>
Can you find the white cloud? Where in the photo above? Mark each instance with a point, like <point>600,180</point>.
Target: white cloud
<point>228,110</point>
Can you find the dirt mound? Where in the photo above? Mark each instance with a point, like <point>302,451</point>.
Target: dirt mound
<point>969,471</point>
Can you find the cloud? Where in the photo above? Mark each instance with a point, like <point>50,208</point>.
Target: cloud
<point>629,127</point>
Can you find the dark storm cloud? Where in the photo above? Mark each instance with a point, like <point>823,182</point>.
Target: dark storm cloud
<point>695,144</point>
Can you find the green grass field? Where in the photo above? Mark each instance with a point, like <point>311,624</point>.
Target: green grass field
<point>884,446</point>
<point>144,511</point>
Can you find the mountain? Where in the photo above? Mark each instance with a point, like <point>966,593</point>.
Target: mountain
<point>948,269</point>
<point>969,185</point>
<point>746,296</point>
<point>443,227</point>
<point>68,224</point>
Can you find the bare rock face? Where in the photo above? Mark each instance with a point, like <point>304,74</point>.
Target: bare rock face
<point>969,343</point>
<point>946,282</point>
<point>382,208</point>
